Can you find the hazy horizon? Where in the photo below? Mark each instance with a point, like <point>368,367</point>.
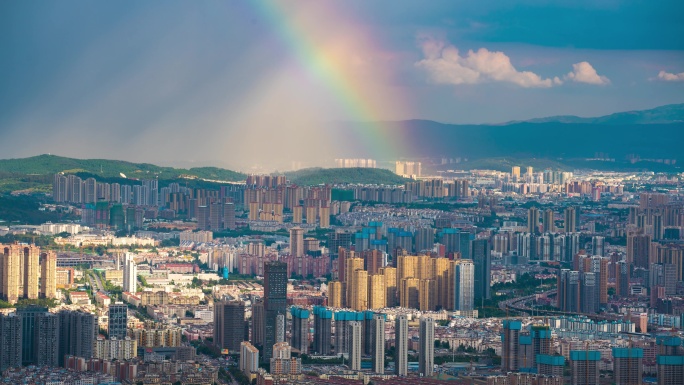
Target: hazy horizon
<point>244,83</point>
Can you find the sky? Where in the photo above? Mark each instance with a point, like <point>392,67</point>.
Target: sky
<point>257,84</point>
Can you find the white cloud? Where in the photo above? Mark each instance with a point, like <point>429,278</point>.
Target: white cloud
<point>445,65</point>
<point>670,77</point>
<point>583,72</point>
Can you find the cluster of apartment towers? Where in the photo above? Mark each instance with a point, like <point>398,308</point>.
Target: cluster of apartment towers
<point>26,272</point>
<point>416,281</point>
<point>356,333</point>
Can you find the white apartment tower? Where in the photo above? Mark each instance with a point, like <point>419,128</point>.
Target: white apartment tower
<point>130,275</point>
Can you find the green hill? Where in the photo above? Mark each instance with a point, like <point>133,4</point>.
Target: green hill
<point>314,176</point>
<point>105,168</point>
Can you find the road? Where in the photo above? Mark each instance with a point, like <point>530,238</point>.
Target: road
<point>97,281</point>
<point>518,304</point>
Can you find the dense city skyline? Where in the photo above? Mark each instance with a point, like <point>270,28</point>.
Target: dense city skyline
<point>306,192</point>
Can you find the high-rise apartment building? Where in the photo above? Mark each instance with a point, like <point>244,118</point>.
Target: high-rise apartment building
<point>48,275</point>
<point>130,276</point>
<point>10,272</point>
<point>464,285</point>
<point>549,222</point>
<point>427,295</point>
<point>584,366</point>
<point>390,274</point>
<point>355,345</point>
<point>378,343</point>
<point>598,245</point>
<point>275,302</point>
<point>638,249</point>
<point>322,330</point>
<point>249,358</point>
<point>628,366</point>
<point>77,333</point>
<point>533,220</point>
<point>229,216</point>
<point>353,264</point>
<point>426,353</point>
<point>46,339</point>
<point>11,341</point>
<point>409,293</point>
<point>359,290</point>
<point>324,217</point>
<point>229,324</point>
<point>29,332</point>
<point>569,290</point>
<point>336,294</point>
<point>670,360</point>
<point>376,291</point>
<point>570,224</point>
<point>300,329</point>
<point>424,239</point>
<point>30,257</point>
<point>401,345</point>
<point>118,320</point>
<point>482,262</point>
<point>297,241</point>
<point>26,272</point>
<point>510,345</point>
<point>257,336</point>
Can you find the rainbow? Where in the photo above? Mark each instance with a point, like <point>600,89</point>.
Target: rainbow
<point>322,60</point>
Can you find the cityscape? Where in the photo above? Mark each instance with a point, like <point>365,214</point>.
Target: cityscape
<point>164,221</point>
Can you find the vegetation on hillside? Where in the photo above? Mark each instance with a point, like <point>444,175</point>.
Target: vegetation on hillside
<point>316,176</point>
<point>51,164</point>
<point>25,209</point>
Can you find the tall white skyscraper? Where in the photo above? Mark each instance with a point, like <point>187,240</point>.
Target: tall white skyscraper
<point>355,345</point>
<point>378,332</point>
<point>426,352</point>
<point>130,276</point>
<point>464,283</point>
<point>401,345</point>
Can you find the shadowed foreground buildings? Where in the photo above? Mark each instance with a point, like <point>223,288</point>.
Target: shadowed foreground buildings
<point>275,303</point>
<point>229,325</point>
<point>10,341</point>
<point>33,336</point>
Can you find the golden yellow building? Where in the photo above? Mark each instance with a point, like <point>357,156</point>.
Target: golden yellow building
<point>48,275</point>
<point>297,214</point>
<point>424,267</point>
<point>335,294</point>
<point>25,272</point>
<point>428,295</point>
<point>253,211</point>
<point>376,291</point>
<point>390,274</point>
<point>359,292</point>
<point>409,293</point>
<point>351,264</point>
<point>30,266</point>
<point>440,273</point>
<point>407,267</point>
<point>324,217</point>
<point>10,273</point>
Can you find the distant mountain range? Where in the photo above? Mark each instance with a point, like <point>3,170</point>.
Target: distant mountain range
<point>650,134</point>
<point>671,113</point>
<point>627,141</point>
